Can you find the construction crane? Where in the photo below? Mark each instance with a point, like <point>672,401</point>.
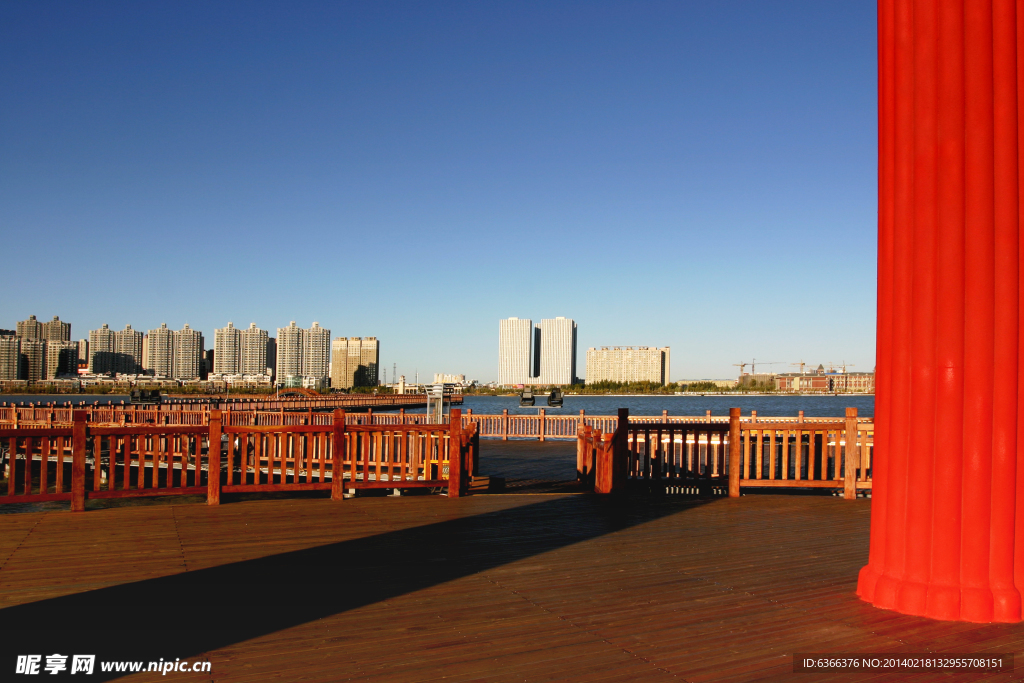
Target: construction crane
<point>801,364</point>
<point>843,365</point>
<point>753,366</point>
<point>741,366</point>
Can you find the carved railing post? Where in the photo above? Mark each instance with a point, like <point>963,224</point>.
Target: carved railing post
<point>78,440</point>
<point>212,461</point>
<point>852,454</point>
<point>734,452</point>
<point>338,457</point>
<point>456,475</point>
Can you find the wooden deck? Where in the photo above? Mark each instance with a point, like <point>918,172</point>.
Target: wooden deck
<point>486,588</point>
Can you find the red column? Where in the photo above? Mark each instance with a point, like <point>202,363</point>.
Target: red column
<point>947,524</point>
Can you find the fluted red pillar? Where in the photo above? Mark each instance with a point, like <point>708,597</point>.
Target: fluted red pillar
<point>947,516</point>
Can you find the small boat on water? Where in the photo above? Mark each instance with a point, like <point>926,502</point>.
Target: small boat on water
<point>526,398</point>
<point>555,399</point>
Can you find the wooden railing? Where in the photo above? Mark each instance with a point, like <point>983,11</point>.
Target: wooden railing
<point>831,453</point>
<point>197,412</point>
<point>103,461</point>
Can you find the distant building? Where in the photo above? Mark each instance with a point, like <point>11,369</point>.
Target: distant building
<point>555,345</point>
<point>756,378</point>
<point>355,362</point>
<point>33,359</point>
<point>302,353</point>
<point>289,352</point>
<point>55,330</point>
<point>83,350</point>
<point>10,357</point>
<point>628,364</point>
<point>515,338</point>
<point>127,351</point>
<point>852,383</point>
<point>440,378</point>
<point>241,380</point>
<point>316,353</point>
<point>188,353</point>
<point>61,359</point>
<point>821,381</point>
<point>101,350</point>
<point>271,355</point>
<point>227,345</point>
<point>30,329</point>
<point>253,352</point>
<point>159,357</point>
<point>8,333</point>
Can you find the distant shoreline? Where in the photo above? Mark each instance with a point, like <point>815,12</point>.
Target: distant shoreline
<point>687,394</point>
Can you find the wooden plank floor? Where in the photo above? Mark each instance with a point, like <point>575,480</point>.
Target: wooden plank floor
<point>487,588</point>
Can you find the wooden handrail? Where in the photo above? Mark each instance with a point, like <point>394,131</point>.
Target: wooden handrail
<point>126,460</point>
<point>823,453</point>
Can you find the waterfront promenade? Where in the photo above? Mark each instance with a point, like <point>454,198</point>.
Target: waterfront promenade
<point>484,588</point>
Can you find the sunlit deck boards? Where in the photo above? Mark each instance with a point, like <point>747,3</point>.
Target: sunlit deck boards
<point>486,588</point>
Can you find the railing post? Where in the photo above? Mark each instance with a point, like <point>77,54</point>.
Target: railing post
<point>474,449</point>
<point>77,461</point>
<point>504,424</point>
<point>581,471</point>
<point>734,452</point>
<point>212,461</point>
<point>455,463</point>
<point>852,455</point>
<point>604,479</point>
<point>338,457</point>
<point>540,415</point>
<point>621,450</point>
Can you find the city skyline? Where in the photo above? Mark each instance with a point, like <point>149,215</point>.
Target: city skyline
<point>257,349</point>
<point>737,139</point>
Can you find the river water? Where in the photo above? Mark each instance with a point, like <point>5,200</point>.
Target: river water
<point>768,406</point>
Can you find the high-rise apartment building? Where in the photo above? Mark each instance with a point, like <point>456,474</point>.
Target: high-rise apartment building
<point>253,354</point>
<point>555,345</point>
<point>10,357</point>
<point>55,330</point>
<point>302,353</point>
<point>316,352</point>
<point>33,359</point>
<point>188,353</point>
<point>83,350</point>
<point>355,362</point>
<point>30,329</point>
<point>127,351</point>
<point>272,355</point>
<point>227,350</point>
<point>514,340</point>
<point>159,357</point>
<point>101,350</point>
<point>628,364</point>
<point>61,359</point>
<point>289,351</point>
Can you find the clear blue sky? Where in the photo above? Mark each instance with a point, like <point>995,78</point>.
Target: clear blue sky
<point>694,174</point>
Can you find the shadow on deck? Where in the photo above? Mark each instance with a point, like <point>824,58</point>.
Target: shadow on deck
<point>495,588</point>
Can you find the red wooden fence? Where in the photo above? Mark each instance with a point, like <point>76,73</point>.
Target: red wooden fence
<point>113,461</point>
<point>708,456</point>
